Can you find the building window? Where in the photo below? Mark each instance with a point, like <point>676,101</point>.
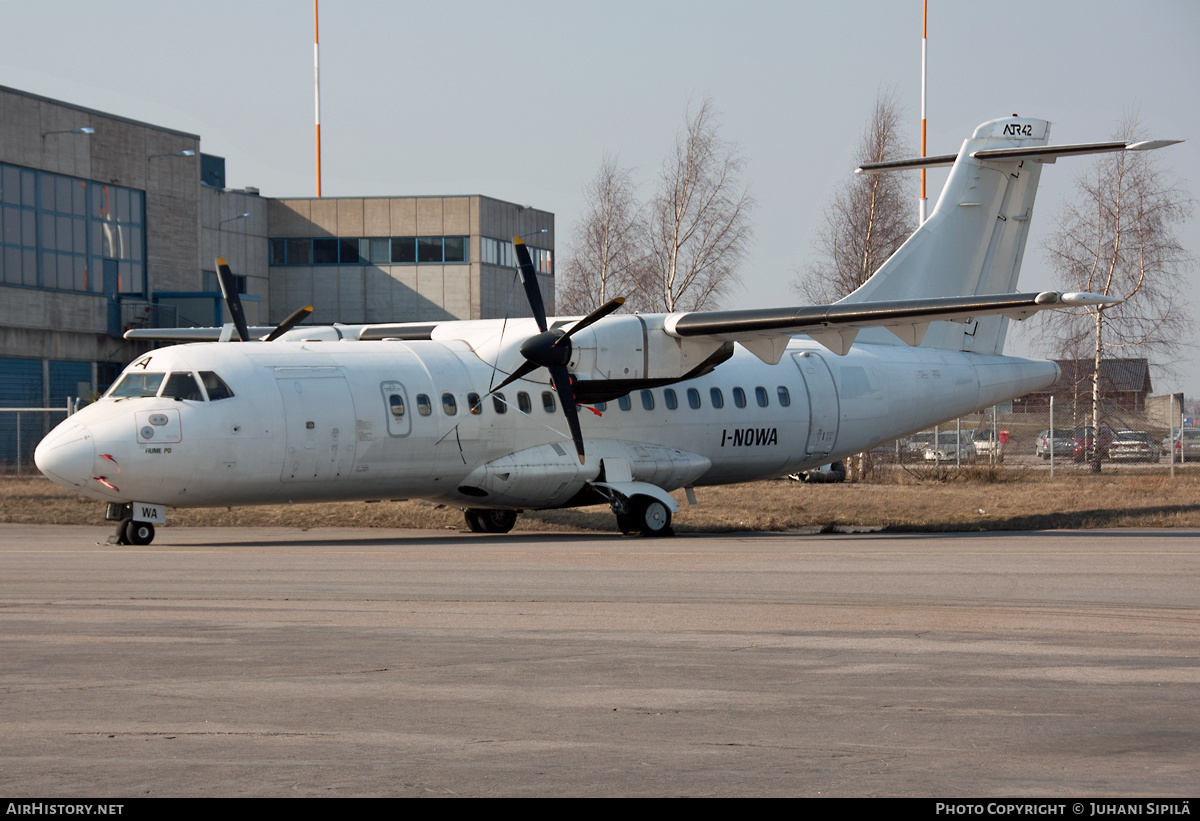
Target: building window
<point>57,233</point>
<point>374,250</point>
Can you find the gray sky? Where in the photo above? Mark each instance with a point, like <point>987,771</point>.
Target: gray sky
<point>520,100</point>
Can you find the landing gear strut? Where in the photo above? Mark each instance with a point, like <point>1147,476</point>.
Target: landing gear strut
<point>480,520</point>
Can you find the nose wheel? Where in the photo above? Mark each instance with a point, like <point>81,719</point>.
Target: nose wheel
<point>131,532</point>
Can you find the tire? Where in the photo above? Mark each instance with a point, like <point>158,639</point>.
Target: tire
<point>490,521</point>
<point>645,516</point>
<point>139,533</point>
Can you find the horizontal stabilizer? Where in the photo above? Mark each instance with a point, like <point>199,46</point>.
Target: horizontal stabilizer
<point>1039,153</point>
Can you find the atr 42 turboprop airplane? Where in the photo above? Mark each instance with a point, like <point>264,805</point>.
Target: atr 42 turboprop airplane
<point>413,410</point>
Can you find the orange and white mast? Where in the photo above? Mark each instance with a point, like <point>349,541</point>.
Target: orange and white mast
<point>317,86</point>
<point>924,56</point>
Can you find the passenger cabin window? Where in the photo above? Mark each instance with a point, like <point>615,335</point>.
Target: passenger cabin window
<point>523,403</point>
<point>647,400</point>
<point>623,403</point>
<point>473,403</point>
<point>718,400</point>
<point>182,386</point>
<point>397,408</point>
<point>671,399</point>
<point>449,406</point>
<point>739,397</point>
<point>424,406</point>
<point>215,386</point>
<point>137,384</point>
<point>601,406</point>
<point>499,405</point>
<point>785,398</point>
<point>548,401</point>
<point>760,393</point>
<point>693,396</point>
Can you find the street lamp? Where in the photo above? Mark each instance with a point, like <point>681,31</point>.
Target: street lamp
<point>234,219</point>
<point>187,152</point>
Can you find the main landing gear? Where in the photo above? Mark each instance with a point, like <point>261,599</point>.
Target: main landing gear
<point>642,516</point>
<point>480,520</point>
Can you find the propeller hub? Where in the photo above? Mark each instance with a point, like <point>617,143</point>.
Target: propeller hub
<point>546,349</point>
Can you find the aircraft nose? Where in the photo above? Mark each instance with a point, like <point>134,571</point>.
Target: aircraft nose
<point>66,456</point>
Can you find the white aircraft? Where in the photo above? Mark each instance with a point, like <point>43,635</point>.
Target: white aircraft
<point>471,413</point>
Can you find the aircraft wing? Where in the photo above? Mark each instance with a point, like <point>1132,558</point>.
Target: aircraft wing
<point>765,331</point>
<point>187,334</point>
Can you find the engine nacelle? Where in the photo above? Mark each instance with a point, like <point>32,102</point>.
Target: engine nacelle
<point>636,347</point>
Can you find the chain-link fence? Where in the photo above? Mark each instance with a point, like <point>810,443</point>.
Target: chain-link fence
<point>1062,441</point>
<point>20,431</point>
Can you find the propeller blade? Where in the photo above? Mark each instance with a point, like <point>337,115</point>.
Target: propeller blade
<point>298,316</point>
<point>598,314</point>
<point>566,395</point>
<point>533,293</point>
<point>232,301</point>
<point>519,373</point>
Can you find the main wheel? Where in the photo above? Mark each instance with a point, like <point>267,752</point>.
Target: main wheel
<point>139,533</point>
<point>645,516</point>
<point>490,521</point>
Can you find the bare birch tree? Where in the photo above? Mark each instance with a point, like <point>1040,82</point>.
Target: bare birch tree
<point>869,218</point>
<point>699,222</point>
<point>1118,238</point>
<point>608,255</point>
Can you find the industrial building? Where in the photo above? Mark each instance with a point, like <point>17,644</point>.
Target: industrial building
<point>107,223</point>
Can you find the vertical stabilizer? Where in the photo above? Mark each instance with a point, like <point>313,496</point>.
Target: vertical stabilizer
<point>974,240</point>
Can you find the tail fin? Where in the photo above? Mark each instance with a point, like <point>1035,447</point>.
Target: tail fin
<point>974,240</point>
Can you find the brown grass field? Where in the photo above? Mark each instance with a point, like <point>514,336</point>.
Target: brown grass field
<point>982,498</point>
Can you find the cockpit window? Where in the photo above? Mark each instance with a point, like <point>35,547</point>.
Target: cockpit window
<point>215,385</point>
<point>137,384</point>
<point>182,386</point>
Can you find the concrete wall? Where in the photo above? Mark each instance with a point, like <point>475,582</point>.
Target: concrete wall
<point>403,293</point>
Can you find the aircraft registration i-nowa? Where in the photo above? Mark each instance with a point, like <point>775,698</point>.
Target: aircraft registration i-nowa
<point>485,415</point>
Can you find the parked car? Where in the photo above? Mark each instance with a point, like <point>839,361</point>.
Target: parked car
<point>952,446</point>
<point>914,446</point>
<point>1134,446</point>
<point>989,444</point>
<point>1064,444</point>
<point>1187,444</point>
<point>1085,442</point>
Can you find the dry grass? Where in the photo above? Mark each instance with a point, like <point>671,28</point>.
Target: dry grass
<point>978,498</point>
